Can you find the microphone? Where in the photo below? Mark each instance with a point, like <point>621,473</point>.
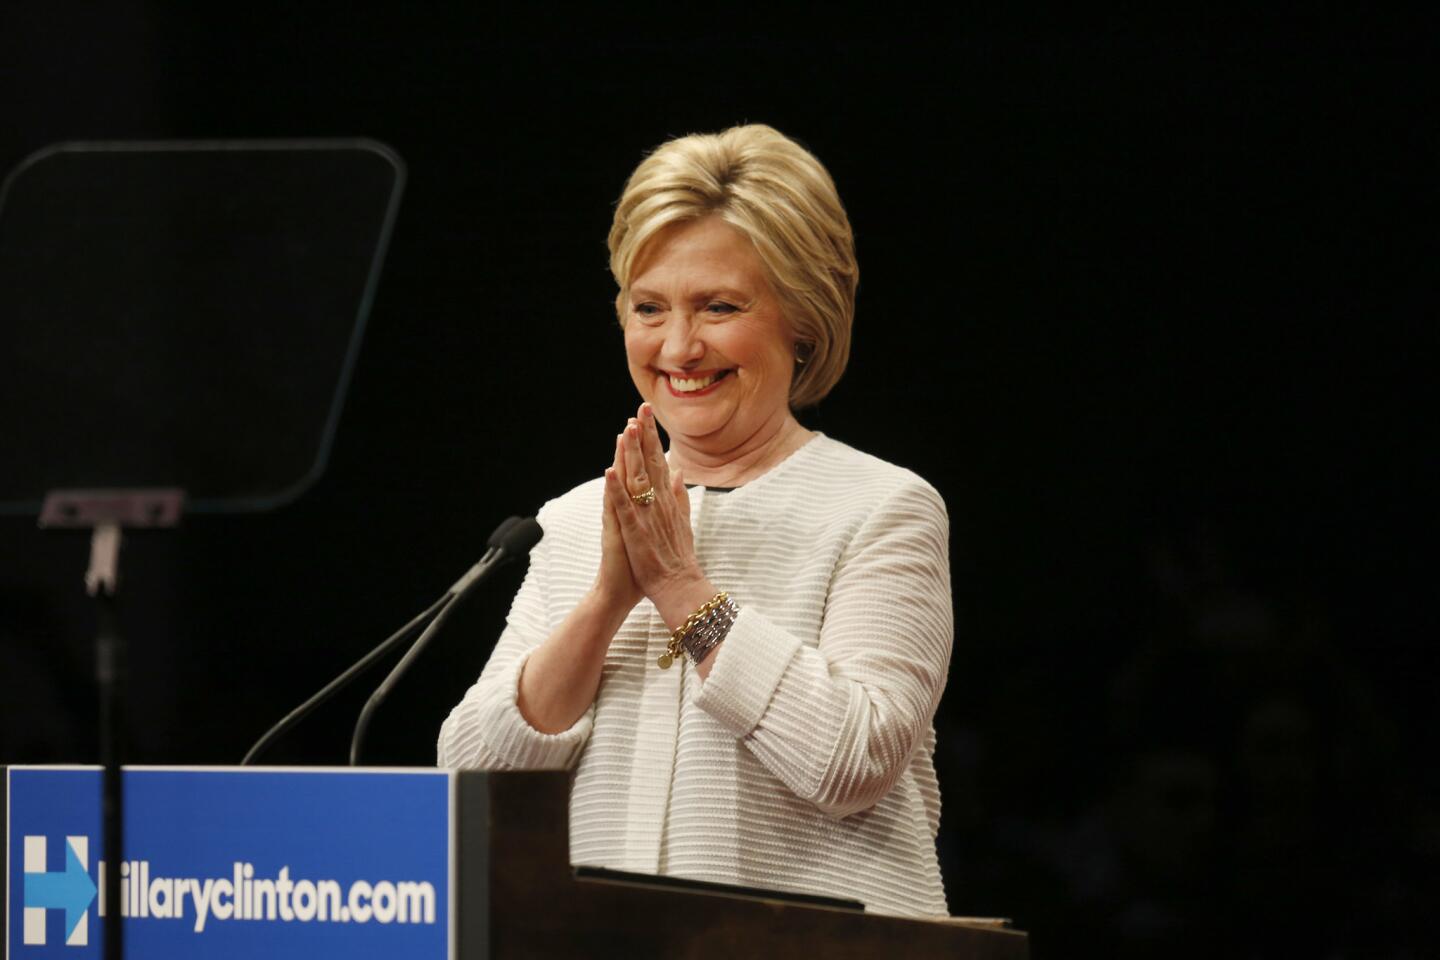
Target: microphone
<point>520,537</point>
<point>499,548</point>
<point>495,543</point>
<point>513,538</point>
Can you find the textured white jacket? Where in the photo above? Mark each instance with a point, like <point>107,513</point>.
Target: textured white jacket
<point>804,762</point>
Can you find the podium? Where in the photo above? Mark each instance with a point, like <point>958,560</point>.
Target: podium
<point>316,863</point>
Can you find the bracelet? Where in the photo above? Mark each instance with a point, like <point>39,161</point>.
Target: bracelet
<point>708,633</point>
<point>702,631</point>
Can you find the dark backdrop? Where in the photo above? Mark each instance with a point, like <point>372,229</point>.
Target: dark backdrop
<point>1149,303</point>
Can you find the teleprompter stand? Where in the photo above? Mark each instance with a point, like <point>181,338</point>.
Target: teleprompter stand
<point>181,323</point>
<point>107,513</point>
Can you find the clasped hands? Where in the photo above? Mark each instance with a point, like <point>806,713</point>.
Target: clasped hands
<point>647,549</point>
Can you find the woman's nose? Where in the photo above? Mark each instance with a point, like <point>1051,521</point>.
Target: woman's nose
<point>682,342</point>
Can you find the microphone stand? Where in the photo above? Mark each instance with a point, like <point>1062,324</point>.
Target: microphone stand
<point>341,682</point>
<point>511,539</point>
<point>449,602</point>
<point>494,555</point>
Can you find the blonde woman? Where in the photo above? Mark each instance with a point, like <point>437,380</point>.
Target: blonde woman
<point>737,644</point>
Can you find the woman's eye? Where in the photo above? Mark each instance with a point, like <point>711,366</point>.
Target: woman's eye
<point>719,306</point>
<point>647,311</point>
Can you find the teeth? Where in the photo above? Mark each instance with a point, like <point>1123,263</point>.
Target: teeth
<point>688,385</point>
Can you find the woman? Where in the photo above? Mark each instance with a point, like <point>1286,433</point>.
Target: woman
<point>738,647</point>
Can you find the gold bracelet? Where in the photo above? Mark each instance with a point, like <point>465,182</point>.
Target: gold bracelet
<point>672,649</point>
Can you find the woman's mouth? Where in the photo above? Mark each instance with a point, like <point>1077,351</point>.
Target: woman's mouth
<point>695,385</point>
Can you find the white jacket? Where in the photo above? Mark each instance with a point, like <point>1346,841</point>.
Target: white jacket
<point>804,762</point>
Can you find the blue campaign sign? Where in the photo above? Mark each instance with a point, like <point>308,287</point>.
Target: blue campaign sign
<point>233,863</point>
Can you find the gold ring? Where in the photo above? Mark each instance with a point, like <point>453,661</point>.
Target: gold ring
<point>644,498</point>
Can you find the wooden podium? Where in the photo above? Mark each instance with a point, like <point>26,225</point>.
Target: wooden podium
<point>315,863</point>
<point>520,897</point>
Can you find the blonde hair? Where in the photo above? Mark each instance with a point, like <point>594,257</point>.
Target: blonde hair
<point>775,192</point>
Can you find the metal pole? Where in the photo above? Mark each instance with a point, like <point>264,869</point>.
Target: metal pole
<point>102,582</point>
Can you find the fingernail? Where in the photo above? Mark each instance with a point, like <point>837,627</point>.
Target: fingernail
<point>647,411</point>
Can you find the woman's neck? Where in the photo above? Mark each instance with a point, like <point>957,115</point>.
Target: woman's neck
<point>752,457</point>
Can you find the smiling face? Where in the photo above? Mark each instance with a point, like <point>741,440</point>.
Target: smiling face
<point>706,338</point>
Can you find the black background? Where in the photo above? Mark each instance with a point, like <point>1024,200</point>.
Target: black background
<point>1149,302</point>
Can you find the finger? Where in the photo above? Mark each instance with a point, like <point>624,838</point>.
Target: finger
<point>635,469</point>
<point>619,464</point>
<point>682,497</point>
<point>607,509</point>
<point>612,536</point>
<point>616,498</point>
<point>651,447</point>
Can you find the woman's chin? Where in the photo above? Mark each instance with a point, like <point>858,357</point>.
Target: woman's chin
<point>691,422</point>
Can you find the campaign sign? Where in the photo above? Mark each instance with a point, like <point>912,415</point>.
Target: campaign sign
<point>236,863</point>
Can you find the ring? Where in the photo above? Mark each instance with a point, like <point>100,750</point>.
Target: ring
<point>644,498</point>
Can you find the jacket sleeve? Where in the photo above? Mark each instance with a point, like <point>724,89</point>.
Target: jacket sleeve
<point>486,729</point>
<point>838,722</point>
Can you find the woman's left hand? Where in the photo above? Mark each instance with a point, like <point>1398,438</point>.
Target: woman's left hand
<point>657,535</point>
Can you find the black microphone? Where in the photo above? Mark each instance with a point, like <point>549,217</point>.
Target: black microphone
<point>496,545</point>
<point>509,541</point>
<point>520,537</point>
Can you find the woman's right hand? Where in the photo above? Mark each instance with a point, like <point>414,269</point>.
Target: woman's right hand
<point>563,674</point>
<point>561,677</point>
<point>615,584</point>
